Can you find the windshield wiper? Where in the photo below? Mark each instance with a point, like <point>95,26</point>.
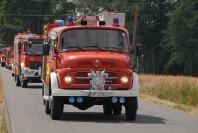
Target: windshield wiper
<point>113,49</point>
<point>74,48</point>
<point>93,47</point>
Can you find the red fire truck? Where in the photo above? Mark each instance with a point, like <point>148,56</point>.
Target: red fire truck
<point>86,65</point>
<point>27,58</point>
<point>3,57</point>
<point>9,57</point>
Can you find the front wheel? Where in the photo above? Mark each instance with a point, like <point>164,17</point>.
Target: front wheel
<point>117,109</point>
<point>24,83</point>
<point>56,108</point>
<point>131,107</point>
<point>107,109</point>
<point>18,83</point>
<point>47,107</point>
<point>2,64</point>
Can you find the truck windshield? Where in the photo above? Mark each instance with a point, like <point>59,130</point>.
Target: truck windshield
<point>94,39</point>
<point>35,49</point>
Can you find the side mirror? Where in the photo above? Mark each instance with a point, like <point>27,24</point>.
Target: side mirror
<point>29,44</point>
<point>139,49</point>
<point>130,48</point>
<point>46,49</point>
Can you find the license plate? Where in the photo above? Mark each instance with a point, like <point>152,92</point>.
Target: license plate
<point>98,94</point>
<point>31,72</point>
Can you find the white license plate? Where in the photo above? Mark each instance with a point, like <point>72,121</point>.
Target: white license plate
<point>98,94</point>
<point>31,72</point>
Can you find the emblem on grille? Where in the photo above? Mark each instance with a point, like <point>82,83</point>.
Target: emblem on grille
<point>97,63</point>
<point>98,79</point>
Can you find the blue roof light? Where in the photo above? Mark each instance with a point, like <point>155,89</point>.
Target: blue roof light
<point>29,38</point>
<point>70,19</point>
<point>115,20</point>
<point>60,23</point>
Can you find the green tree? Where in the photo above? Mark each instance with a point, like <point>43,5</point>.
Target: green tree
<point>93,7</point>
<point>153,22</point>
<point>182,39</point>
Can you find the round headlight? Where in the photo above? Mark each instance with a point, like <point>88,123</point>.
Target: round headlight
<point>68,79</point>
<point>124,80</point>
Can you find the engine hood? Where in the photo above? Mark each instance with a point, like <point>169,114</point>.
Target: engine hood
<point>27,60</point>
<point>93,59</point>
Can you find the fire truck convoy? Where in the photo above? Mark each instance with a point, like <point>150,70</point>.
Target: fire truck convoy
<point>27,59</point>
<point>86,65</point>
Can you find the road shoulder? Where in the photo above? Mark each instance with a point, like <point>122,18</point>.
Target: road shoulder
<point>189,109</point>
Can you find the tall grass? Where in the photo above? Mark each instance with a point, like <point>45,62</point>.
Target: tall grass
<point>3,128</point>
<point>1,91</point>
<point>177,89</point>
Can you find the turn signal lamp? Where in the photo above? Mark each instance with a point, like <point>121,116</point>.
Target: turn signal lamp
<point>70,21</point>
<point>115,21</point>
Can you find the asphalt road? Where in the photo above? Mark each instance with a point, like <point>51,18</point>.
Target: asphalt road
<point>27,115</point>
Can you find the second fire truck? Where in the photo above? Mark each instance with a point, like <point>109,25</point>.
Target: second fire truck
<point>27,59</point>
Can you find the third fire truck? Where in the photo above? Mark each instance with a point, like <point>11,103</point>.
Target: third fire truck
<point>9,57</point>
<point>88,64</point>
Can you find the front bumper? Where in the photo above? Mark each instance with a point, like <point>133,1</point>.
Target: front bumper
<point>133,92</point>
<point>93,93</point>
<point>31,73</point>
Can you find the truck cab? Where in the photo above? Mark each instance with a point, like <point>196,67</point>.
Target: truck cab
<point>27,59</point>
<point>89,65</point>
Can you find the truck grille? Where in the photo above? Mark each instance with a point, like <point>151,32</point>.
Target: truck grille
<point>82,78</point>
<point>35,65</point>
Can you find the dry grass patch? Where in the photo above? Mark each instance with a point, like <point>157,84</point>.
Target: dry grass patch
<point>2,119</point>
<point>1,92</point>
<point>178,89</point>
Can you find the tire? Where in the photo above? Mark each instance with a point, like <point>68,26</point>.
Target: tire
<point>56,108</point>
<point>131,107</point>
<point>117,109</point>
<point>2,64</point>
<point>47,107</point>
<point>18,83</point>
<point>42,89</point>
<point>24,83</point>
<point>107,109</point>
<point>43,93</point>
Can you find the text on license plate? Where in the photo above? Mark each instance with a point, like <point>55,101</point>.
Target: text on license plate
<point>98,94</point>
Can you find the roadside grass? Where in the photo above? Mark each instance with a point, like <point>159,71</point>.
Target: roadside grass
<point>178,89</point>
<point>2,119</point>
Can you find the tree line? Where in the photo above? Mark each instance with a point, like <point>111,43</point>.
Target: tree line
<point>168,29</point>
